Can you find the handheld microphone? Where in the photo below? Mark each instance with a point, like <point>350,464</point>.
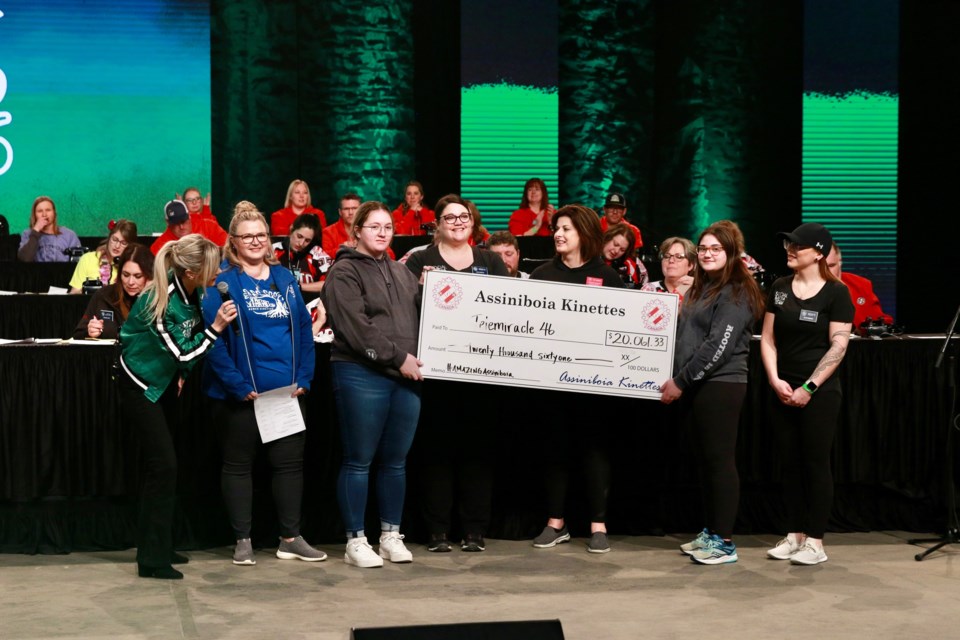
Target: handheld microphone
<point>224,290</point>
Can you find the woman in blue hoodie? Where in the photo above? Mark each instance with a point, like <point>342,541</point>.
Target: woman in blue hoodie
<point>270,347</point>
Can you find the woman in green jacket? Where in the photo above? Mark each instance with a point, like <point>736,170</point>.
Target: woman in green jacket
<point>162,340</point>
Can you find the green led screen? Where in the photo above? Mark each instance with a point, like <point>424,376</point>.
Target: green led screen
<point>850,133</point>
<point>509,112</point>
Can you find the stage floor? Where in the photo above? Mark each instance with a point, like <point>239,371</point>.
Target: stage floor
<point>871,588</point>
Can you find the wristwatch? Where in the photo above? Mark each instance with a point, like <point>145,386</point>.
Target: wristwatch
<point>810,387</point>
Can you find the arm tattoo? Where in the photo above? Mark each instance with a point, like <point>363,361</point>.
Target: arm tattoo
<point>831,359</point>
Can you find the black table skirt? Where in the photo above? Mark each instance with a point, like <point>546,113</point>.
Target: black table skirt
<point>68,467</point>
<point>40,315</point>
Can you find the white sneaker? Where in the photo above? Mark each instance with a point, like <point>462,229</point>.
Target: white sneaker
<point>360,554</point>
<point>393,549</point>
<point>785,549</point>
<point>809,554</point>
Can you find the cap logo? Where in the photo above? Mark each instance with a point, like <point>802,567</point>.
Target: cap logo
<point>819,245</point>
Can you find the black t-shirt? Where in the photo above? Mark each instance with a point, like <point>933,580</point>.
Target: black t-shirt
<point>484,262</point>
<point>595,272</point>
<point>801,328</point>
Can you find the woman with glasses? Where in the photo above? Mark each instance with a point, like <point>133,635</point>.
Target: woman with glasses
<point>805,333</point>
<point>101,265</point>
<point>620,254</point>
<point>372,307</point>
<point>197,205</point>
<point>578,241</point>
<point>678,259</point>
<point>270,347</point>
<point>710,379</point>
<point>535,212</point>
<point>460,465</point>
<point>297,203</point>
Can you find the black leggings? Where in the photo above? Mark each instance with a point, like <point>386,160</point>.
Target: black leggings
<point>240,441</point>
<point>152,422</point>
<point>575,432</point>
<point>712,413</point>
<point>805,438</point>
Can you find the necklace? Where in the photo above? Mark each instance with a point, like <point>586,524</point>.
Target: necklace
<point>383,271</point>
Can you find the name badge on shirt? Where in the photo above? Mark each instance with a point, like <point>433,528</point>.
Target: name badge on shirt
<point>594,282</point>
<point>808,315</point>
<point>480,270</point>
<point>106,314</point>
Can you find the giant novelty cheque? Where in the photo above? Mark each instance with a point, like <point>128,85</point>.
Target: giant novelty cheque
<point>546,335</point>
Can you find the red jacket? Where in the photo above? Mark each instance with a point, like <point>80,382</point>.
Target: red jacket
<point>521,221</point>
<point>605,224</point>
<point>865,301</point>
<point>281,220</point>
<point>208,227</point>
<point>408,223</point>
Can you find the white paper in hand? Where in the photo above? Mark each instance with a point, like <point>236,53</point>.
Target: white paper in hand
<point>278,415</point>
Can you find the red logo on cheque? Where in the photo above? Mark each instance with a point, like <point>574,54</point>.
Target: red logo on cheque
<point>447,293</point>
<point>656,315</point>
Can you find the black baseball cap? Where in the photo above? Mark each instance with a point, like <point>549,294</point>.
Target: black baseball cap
<point>175,212</point>
<point>810,234</point>
<point>616,200</point>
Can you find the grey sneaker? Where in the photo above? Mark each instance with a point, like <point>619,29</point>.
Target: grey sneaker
<point>700,542</point>
<point>298,549</point>
<point>550,537</point>
<point>243,553</point>
<point>598,543</point>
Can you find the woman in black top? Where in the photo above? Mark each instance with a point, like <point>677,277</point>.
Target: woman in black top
<point>110,306</point>
<point>578,240</point>
<point>805,334</point>
<point>452,461</point>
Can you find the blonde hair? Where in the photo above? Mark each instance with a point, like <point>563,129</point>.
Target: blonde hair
<point>294,185</point>
<point>190,253</point>
<point>245,211</point>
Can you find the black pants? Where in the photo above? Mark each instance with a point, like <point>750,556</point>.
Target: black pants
<point>454,448</point>
<point>712,413</point>
<point>240,442</point>
<point>152,422</point>
<point>576,434</point>
<point>805,438</point>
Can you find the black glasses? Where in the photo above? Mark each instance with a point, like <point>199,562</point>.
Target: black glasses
<point>192,200</point>
<point>250,237</point>
<point>670,257</point>
<point>451,218</point>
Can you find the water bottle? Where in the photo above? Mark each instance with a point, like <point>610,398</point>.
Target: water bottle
<point>105,271</point>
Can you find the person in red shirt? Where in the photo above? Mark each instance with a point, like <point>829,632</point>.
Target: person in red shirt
<point>410,215</point>
<point>195,203</point>
<point>297,202</point>
<point>614,213</point>
<point>866,304</point>
<point>533,216</point>
<point>338,233</point>
<point>181,223</point>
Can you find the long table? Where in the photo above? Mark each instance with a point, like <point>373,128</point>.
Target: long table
<point>68,466</point>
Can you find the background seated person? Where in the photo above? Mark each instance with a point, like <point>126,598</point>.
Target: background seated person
<point>410,215</point>
<point>181,223</point>
<point>615,212</point>
<point>195,203</point>
<point>301,253</point>
<point>110,306</point>
<point>44,240</point>
<point>101,264</point>
<point>533,216</point>
<point>504,244</point>
<point>620,255</point>
<point>678,259</point>
<point>866,304</point>
<point>338,234</point>
<point>296,204</point>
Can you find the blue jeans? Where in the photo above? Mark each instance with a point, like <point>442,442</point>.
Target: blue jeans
<point>378,417</point>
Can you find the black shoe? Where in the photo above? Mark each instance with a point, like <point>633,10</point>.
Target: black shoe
<point>439,543</point>
<point>473,542</point>
<point>178,558</point>
<point>161,573</point>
